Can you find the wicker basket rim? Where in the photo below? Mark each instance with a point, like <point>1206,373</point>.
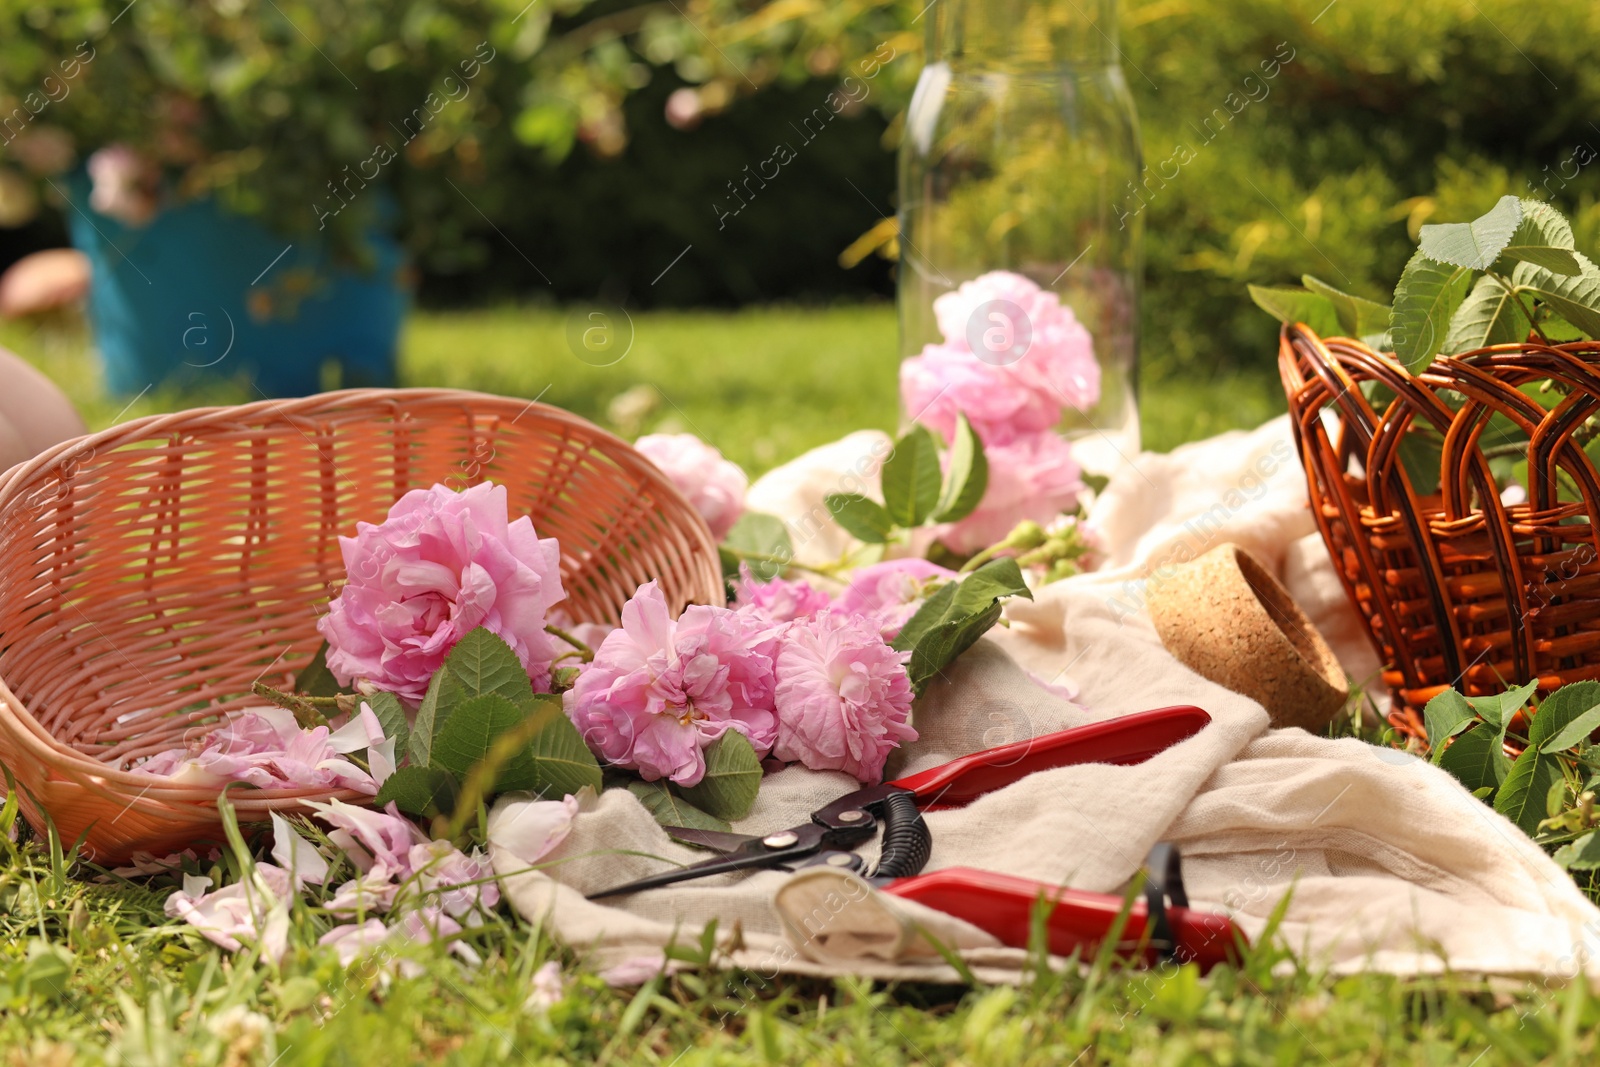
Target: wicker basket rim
<point>146,427</point>
<point>18,722</point>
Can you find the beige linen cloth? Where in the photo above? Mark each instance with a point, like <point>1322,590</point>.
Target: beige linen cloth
<point>1391,864</point>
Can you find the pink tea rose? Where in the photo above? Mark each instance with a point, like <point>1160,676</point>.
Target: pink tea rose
<point>999,402</point>
<point>777,600</point>
<point>713,485</point>
<point>890,592</point>
<point>1033,359</point>
<point>1034,478</point>
<point>1059,357</point>
<point>661,690</point>
<point>442,564</point>
<point>843,696</point>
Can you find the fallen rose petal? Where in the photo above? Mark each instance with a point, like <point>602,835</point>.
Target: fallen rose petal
<point>386,836</point>
<point>295,854</point>
<point>530,829</point>
<point>637,970</point>
<point>454,881</point>
<point>352,941</point>
<point>548,988</point>
<point>254,910</point>
<point>371,894</point>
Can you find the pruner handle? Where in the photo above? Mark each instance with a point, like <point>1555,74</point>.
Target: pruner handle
<point>1079,921</point>
<point>1126,740</point>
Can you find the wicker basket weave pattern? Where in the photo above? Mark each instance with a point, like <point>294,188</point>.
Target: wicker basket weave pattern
<point>1456,587</point>
<point>151,572</point>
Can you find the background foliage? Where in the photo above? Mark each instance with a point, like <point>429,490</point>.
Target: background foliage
<point>1387,116</point>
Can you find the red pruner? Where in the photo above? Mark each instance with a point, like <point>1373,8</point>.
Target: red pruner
<point>1160,925</point>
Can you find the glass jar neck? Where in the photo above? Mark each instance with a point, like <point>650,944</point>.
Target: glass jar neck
<point>1022,33</point>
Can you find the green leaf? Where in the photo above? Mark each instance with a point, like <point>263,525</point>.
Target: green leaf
<point>1477,758</point>
<point>1445,716</point>
<point>1289,305</point>
<point>1580,855</point>
<point>1424,302</point>
<point>426,723</point>
<point>952,620</point>
<point>861,517</point>
<point>968,477</point>
<point>1522,795</point>
<point>1573,710</point>
<point>391,715</point>
<point>670,809</point>
<point>761,535</point>
<point>1358,317</point>
<point>482,664</point>
<point>1491,315</point>
<point>911,478</point>
<point>315,680</point>
<point>733,774</point>
<point>1576,299</point>
<point>469,735</point>
<point>1575,733</point>
<point>562,763</point>
<point>1544,239</point>
<point>1476,244</point>
<point>1500,708</point>
<point>426,791</point>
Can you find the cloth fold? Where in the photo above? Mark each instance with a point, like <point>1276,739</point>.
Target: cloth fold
<point>1390,864</point>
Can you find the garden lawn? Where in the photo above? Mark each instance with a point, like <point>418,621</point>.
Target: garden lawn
<point>762,385</point>
<point>95,974</point>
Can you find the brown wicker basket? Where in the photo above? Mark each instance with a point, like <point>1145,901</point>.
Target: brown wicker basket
<point>151,572</point>
<point>1456,587</point>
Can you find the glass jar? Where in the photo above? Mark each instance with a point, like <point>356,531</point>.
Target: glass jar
<point>1020,154</point>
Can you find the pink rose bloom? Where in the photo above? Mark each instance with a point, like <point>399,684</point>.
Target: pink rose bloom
<point>659,691</point>
<point>843,696</point>
<point>890,592</point>
<point>1059,360</point>
<point>1004,398</point>
<point>443,563</point>
<point>1034,478</point>
<point>713,485</point>
<point>1001,405</point>
<point>778,600</point>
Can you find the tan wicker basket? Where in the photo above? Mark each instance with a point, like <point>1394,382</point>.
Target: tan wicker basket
<point>151,572</point>
<point>1456,587</point>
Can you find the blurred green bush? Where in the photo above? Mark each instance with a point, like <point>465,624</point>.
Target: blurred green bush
<point>1381,116</point>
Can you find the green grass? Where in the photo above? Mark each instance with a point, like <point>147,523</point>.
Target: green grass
<point>762,385</point>
<point>94,974</point>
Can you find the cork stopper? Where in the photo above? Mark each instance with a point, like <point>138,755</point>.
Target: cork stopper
<point>1228,619</point>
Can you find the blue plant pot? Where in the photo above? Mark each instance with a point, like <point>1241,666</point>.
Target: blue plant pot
<point>199,294</point>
